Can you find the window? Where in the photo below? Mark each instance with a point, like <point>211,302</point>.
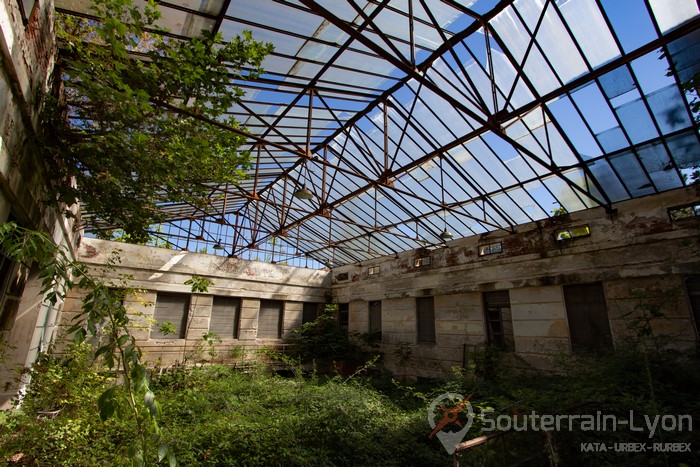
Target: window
<point>588,317</point>
<point>10,291</point>
<point>270,319</point>
<point>171,308</point>
<point>425,319</point>
<point>490,249</point>
<point>373,270</point>
<point>375,320</point>
<point>499,322</point>
<point>225,317</point>
<point>573,232</point>
<point>425,261</point>
<point>343,276</point>
<point>692,284</point>
<point>310,312</point>
<point>684,212</point>
<point>344,316</point>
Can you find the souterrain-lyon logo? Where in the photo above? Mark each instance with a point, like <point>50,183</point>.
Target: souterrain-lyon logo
<point>447,413</point>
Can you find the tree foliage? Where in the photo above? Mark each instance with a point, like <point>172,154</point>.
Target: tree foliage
<point>144,118</point>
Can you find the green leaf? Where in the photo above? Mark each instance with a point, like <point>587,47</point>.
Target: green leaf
<point>151,404</point>
<point>172,460</point>
<point>106,404</point>
<point>129,149</point>
<point>163,451</point>
<point>136,455</point>
<point>123,339</point>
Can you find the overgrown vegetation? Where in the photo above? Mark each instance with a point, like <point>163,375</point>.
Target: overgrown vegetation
<point>95,406</point>
<point>323,343</point>
<point>216,415</point>
<point>142,118</point>
<point>103,316</point>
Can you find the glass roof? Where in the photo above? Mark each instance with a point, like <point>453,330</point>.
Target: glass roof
<point>409,117</point>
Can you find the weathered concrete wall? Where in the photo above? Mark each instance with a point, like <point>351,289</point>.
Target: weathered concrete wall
<point>637,253</point>
<point>26,59</point>
<point>159,270</point>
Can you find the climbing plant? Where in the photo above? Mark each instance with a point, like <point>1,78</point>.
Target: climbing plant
<point>141,118</point>
<point>103,314</point>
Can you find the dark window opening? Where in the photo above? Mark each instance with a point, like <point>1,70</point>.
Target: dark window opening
<point>375,320</point>
<point>310,312</point>
<point>425,319</point>
<point>344,317</point>
<point>499,322</point>
<point>588,317</point>
<point>692,284</point>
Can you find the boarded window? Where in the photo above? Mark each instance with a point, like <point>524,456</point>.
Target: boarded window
<point>270,319</point>
<point>225,317</point>
<point>499,322</point>
<point>425,319</point>
<point>375,320</point>
<point>171,308</point>
<point>588,317</point>
<point>310,312</point>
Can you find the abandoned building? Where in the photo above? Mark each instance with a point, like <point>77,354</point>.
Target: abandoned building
<point>516,173</point>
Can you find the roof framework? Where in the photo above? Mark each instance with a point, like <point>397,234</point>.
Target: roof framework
<point>406,118</point>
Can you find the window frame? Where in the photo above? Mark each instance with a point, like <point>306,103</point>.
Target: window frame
<point>676,213</point>
<point>488,249</point>
<point>236,323</point>
<point>279,306</point>
<point>375,331</point>
<point>425,336</point>
<point>182,326</point>
<point>579,231</point>
<point>499,328</point>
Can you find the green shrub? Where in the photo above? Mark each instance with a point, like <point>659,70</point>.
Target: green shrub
<point>58,422</point>
<point>214,415</point>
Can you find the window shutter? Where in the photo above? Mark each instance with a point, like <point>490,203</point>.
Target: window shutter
<point>171,308</point>
<point>225,317</point>
<point>270,320</point>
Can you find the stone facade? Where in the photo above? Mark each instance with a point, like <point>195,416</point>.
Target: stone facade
<point>636,256</point>
<point>155,271</point>
<point>27,48</point>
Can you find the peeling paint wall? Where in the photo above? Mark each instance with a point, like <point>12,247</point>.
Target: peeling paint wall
<point>27,53</point>
<point>638,255</point>
<point>157,270</point>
